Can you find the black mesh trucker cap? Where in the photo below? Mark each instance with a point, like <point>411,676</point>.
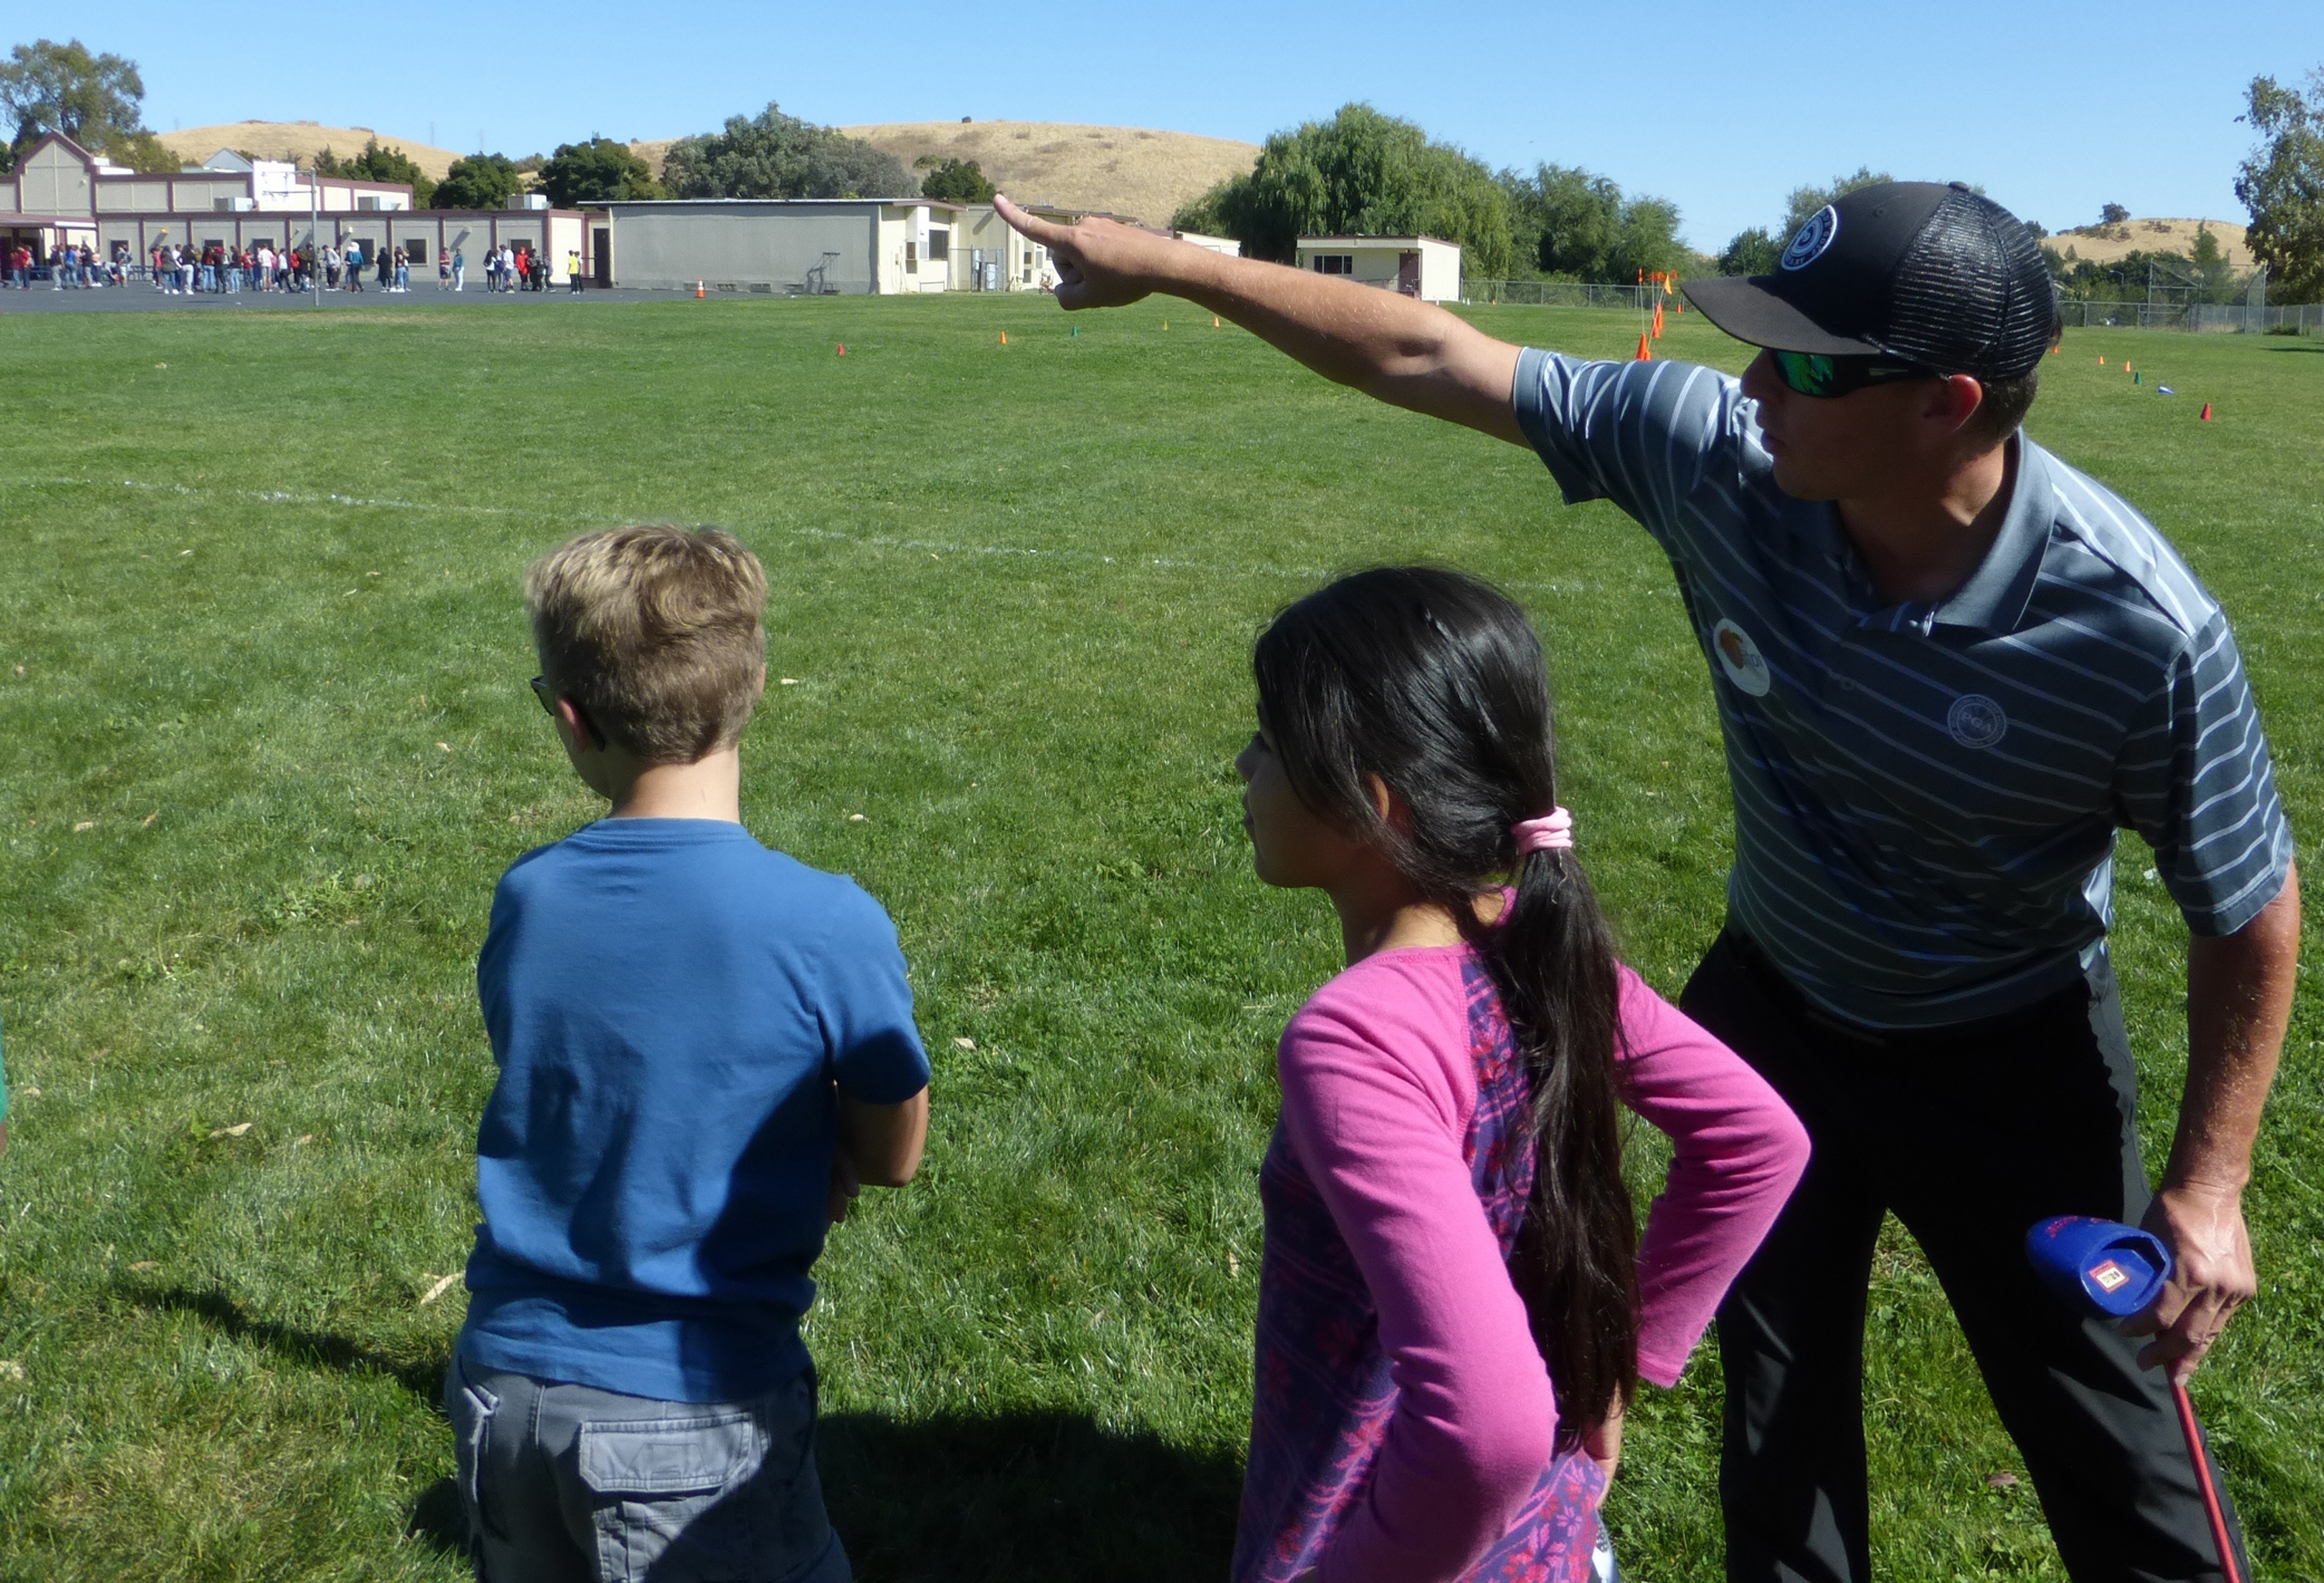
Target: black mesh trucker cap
<point>1919,270</point>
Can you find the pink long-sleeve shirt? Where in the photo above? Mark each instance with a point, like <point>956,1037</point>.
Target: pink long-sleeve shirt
<point>1379,1086</point>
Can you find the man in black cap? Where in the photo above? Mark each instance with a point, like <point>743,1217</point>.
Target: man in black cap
<point>1948,667</point>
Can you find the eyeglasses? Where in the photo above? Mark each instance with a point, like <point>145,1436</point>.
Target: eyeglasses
<point>1812,374</point>
<point>548,695</point>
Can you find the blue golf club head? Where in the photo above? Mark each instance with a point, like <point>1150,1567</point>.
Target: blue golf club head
<point>2102,1268</point>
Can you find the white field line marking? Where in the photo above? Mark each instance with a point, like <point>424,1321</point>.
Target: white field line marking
<point>868,540</point>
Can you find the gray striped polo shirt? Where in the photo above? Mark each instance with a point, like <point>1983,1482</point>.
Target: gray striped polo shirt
<point>1926,795</point>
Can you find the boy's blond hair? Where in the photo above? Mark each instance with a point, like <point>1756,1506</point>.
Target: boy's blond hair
<point>654,630</point>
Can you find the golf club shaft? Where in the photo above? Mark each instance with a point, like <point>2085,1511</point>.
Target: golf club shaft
<point>2203,1481</point>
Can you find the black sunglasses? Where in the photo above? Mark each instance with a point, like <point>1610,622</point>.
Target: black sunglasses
<point>548,695</point>
<point>1812,374</point>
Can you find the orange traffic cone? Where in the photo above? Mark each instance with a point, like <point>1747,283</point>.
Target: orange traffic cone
<point>1658,321</point>
<point>842,348</point>
<point>698,292</point>
<point>1215,321</point>
<point>2207,411</point>
<point>2125,364</point>
<point>2101,362</point>
<point>1004,337</point>
<point>1646,353</point>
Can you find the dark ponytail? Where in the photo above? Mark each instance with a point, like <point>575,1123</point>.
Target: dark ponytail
<point>1435,682</point>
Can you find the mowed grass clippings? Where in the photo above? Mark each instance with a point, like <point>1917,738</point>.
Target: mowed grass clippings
<point>271,746</point>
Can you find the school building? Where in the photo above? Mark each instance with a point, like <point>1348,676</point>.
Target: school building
<point>59,193</point>
<point>817,246</point>
<point>1417,266</point>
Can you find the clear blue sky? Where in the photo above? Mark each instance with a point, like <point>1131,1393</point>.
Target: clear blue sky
<point>1723,108</point>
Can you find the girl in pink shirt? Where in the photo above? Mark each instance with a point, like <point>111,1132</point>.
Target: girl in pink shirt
<point>1454,1304</point>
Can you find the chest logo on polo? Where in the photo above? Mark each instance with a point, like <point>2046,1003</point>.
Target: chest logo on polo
<point>1740,658</point>
<point>1975,720</point>
<point>1809,242</point>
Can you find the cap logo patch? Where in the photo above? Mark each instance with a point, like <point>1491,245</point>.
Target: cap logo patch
<point>1740,657</point>
<point>1975,720</point>
<point>1809,243</point>
<point>2109,1276</point>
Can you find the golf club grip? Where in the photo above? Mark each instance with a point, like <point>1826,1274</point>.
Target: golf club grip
<point>2203,1481</point>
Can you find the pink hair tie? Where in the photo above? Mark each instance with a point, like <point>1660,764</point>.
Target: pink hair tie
<point>1552,832</point>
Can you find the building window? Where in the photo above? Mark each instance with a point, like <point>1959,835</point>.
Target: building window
<point>415,249</point>
<point>366,200</point>
<point>939,246</point>
<point>1335,264</point>
<point>911,258</point>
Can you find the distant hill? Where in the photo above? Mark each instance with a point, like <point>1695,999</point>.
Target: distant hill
<point>2104,244</point>
<point>1122,170</point>
<point>301,140</point>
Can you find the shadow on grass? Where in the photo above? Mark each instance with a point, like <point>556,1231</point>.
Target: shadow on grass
<point>1049,1495</point>
<point>315,1348</point>
<point>2297,348</point>
<point>1024,1494</point>
<point>957,1497</point>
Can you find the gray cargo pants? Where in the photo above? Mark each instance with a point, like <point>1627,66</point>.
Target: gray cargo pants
<point>569,1484</point>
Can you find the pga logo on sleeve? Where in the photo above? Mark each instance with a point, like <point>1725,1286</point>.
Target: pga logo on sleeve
<point>1740,658</point>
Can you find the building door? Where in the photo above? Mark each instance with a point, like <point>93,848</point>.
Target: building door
<point>601,246</point>
<point>1407,274</point>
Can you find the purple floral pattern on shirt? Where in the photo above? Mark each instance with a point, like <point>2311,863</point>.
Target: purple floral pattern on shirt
<point>1323,1395</point>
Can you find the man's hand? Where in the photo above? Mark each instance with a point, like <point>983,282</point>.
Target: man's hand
<point>2203,1227</point>
<point>1101,263</point>
<point>1405,352</point>
<point>2238,1004</point>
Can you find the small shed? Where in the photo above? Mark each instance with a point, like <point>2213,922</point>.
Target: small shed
<point>1417,266</point>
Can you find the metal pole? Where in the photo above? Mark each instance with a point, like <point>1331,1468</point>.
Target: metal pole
<point>314,231</point>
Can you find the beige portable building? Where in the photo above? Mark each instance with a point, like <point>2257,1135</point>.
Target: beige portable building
<point>793,246</point>
<point>1417,266</point>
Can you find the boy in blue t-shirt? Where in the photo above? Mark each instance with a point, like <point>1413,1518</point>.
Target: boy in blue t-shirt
<point>704,1047</point>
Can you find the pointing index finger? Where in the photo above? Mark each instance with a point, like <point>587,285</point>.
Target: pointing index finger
<point>1045,232</point>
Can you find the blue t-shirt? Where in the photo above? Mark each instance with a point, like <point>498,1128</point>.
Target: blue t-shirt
<point>669,1004</point>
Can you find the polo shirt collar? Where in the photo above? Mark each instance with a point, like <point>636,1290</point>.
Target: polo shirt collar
<point>1995,597</point>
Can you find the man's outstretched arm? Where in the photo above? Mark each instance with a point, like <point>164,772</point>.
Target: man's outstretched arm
<point>1408,353</point>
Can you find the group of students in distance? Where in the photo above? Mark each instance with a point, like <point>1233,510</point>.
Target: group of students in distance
<point>1948,667</point>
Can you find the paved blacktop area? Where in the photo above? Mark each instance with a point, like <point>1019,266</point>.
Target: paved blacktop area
<point>139,298</point>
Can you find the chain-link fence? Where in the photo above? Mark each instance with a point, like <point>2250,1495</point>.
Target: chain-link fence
<point>1558,294</point>
<point>2222,317</point>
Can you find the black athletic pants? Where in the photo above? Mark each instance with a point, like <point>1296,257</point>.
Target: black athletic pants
<point>1968,1136</point>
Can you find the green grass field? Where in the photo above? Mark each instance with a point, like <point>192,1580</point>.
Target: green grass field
<point>266,744</point>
